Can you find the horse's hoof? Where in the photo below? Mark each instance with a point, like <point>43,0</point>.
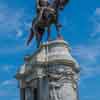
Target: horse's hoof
<point>59,38</point>
<point>49,40</point>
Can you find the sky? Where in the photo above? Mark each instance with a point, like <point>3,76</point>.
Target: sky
<point>81,29</point>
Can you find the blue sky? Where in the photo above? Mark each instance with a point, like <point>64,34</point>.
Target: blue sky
<point>81,28</point>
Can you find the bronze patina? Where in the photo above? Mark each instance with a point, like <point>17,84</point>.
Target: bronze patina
<point>47,14</point>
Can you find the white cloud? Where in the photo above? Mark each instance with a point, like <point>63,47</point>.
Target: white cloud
<point>14,25</point>
<point>4,93</point>
<point>19,33</point>
<point>9,83</point>
<point>10,19</point>
<point>12,50</point>
<point>89,71</point>
<point>97,12</point>
<point>8,68</point>
<point>98,27</point>
<point>13,20</point>
<point>88,56</point>
<point>96,23</point>
<point>87,52</point>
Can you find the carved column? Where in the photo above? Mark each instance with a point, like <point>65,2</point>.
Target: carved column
<point>22,93</point>
<point>43,89</point>
<point>22,90</point>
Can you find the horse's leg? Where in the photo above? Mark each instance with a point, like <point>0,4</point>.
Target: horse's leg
<point>49,33</point>
<point>58,26</point>
<point>30,36</point>
<point>37,39</point>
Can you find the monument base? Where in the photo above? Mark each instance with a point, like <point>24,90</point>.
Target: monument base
<point>51,73</point>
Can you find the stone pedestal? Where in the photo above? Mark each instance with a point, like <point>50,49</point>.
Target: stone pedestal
<point>51,73</point>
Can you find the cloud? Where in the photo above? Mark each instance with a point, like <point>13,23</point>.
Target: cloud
<point>88,56</point>
<point>95,19</point>
<point>7,87</point>
<point>89,71</point>
<point>88,60</point>
<point>14,26</point>
<point>8,68</point>
<point>19,33</point>
<point>10,19</point>
<point>4,93</point>
<point>12,82</point>
<point>87,52</point>
<point>97,12</point>
<point>12,50</point>
<point>13,21</point>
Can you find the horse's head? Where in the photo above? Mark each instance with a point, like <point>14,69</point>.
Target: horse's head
<point>43,3</point>
<point>62,3</point>
<point>59,3</point>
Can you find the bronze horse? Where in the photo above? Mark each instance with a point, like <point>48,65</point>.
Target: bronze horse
<point>47,14</point>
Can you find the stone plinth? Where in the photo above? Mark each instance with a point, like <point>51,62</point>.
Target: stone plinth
<point>51,73</point>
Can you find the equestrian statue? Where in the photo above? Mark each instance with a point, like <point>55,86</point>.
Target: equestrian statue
<point>47,14</point>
